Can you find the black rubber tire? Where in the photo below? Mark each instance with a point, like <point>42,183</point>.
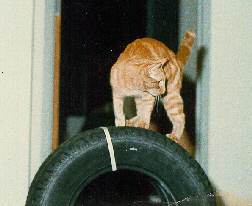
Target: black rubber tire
<point>84,157</point>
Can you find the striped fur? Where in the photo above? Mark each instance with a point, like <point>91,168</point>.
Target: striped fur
<point>146,70</point>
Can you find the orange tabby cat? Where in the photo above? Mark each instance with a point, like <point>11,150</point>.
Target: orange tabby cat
<point>147,70</point>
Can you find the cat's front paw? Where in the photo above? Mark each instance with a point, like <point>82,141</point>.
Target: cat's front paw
<point>136,122</point>
<point>172,137</point>
<point>120,122</point>
<point>131,122</point>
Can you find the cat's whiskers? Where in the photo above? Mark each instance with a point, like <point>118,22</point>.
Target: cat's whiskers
<point>157,99</point>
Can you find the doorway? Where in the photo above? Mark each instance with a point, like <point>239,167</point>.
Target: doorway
<point>94,33</point>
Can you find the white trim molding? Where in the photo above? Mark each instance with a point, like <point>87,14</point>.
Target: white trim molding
<point>202,87</point>
<point>26,74</point>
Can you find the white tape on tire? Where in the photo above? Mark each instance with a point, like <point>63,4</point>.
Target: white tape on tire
<point>110,148</point>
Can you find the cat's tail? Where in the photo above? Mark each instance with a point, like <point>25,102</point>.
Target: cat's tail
<point>185,48</point>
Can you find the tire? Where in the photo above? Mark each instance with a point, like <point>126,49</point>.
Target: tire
<point>85,157</point>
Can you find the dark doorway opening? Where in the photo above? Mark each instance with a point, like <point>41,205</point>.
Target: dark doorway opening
<point>94,33</point>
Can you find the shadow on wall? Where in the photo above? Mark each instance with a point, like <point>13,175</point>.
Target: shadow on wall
<point>202,51</point>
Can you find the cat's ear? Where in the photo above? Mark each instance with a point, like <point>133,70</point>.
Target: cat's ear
<point>155,69</point>
<point>166,67</point>
<point>165,63</point>
<point>158,65</point>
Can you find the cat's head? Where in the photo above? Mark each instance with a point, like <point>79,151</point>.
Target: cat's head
<point>157,78</point>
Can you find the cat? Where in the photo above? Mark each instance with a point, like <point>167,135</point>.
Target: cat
<point>147,70</point>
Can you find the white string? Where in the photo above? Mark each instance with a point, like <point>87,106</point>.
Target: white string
<point>110,148</point>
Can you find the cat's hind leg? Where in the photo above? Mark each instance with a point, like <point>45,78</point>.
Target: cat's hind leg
<point>118,110</point>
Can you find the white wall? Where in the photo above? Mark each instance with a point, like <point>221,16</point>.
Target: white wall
<point>230,97</point>
<point>42,82</point>
<point>26,94</point>
<point>225,97</point>
<point>15,102</point>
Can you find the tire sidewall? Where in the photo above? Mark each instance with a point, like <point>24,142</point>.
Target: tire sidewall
<point>85,157</point>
